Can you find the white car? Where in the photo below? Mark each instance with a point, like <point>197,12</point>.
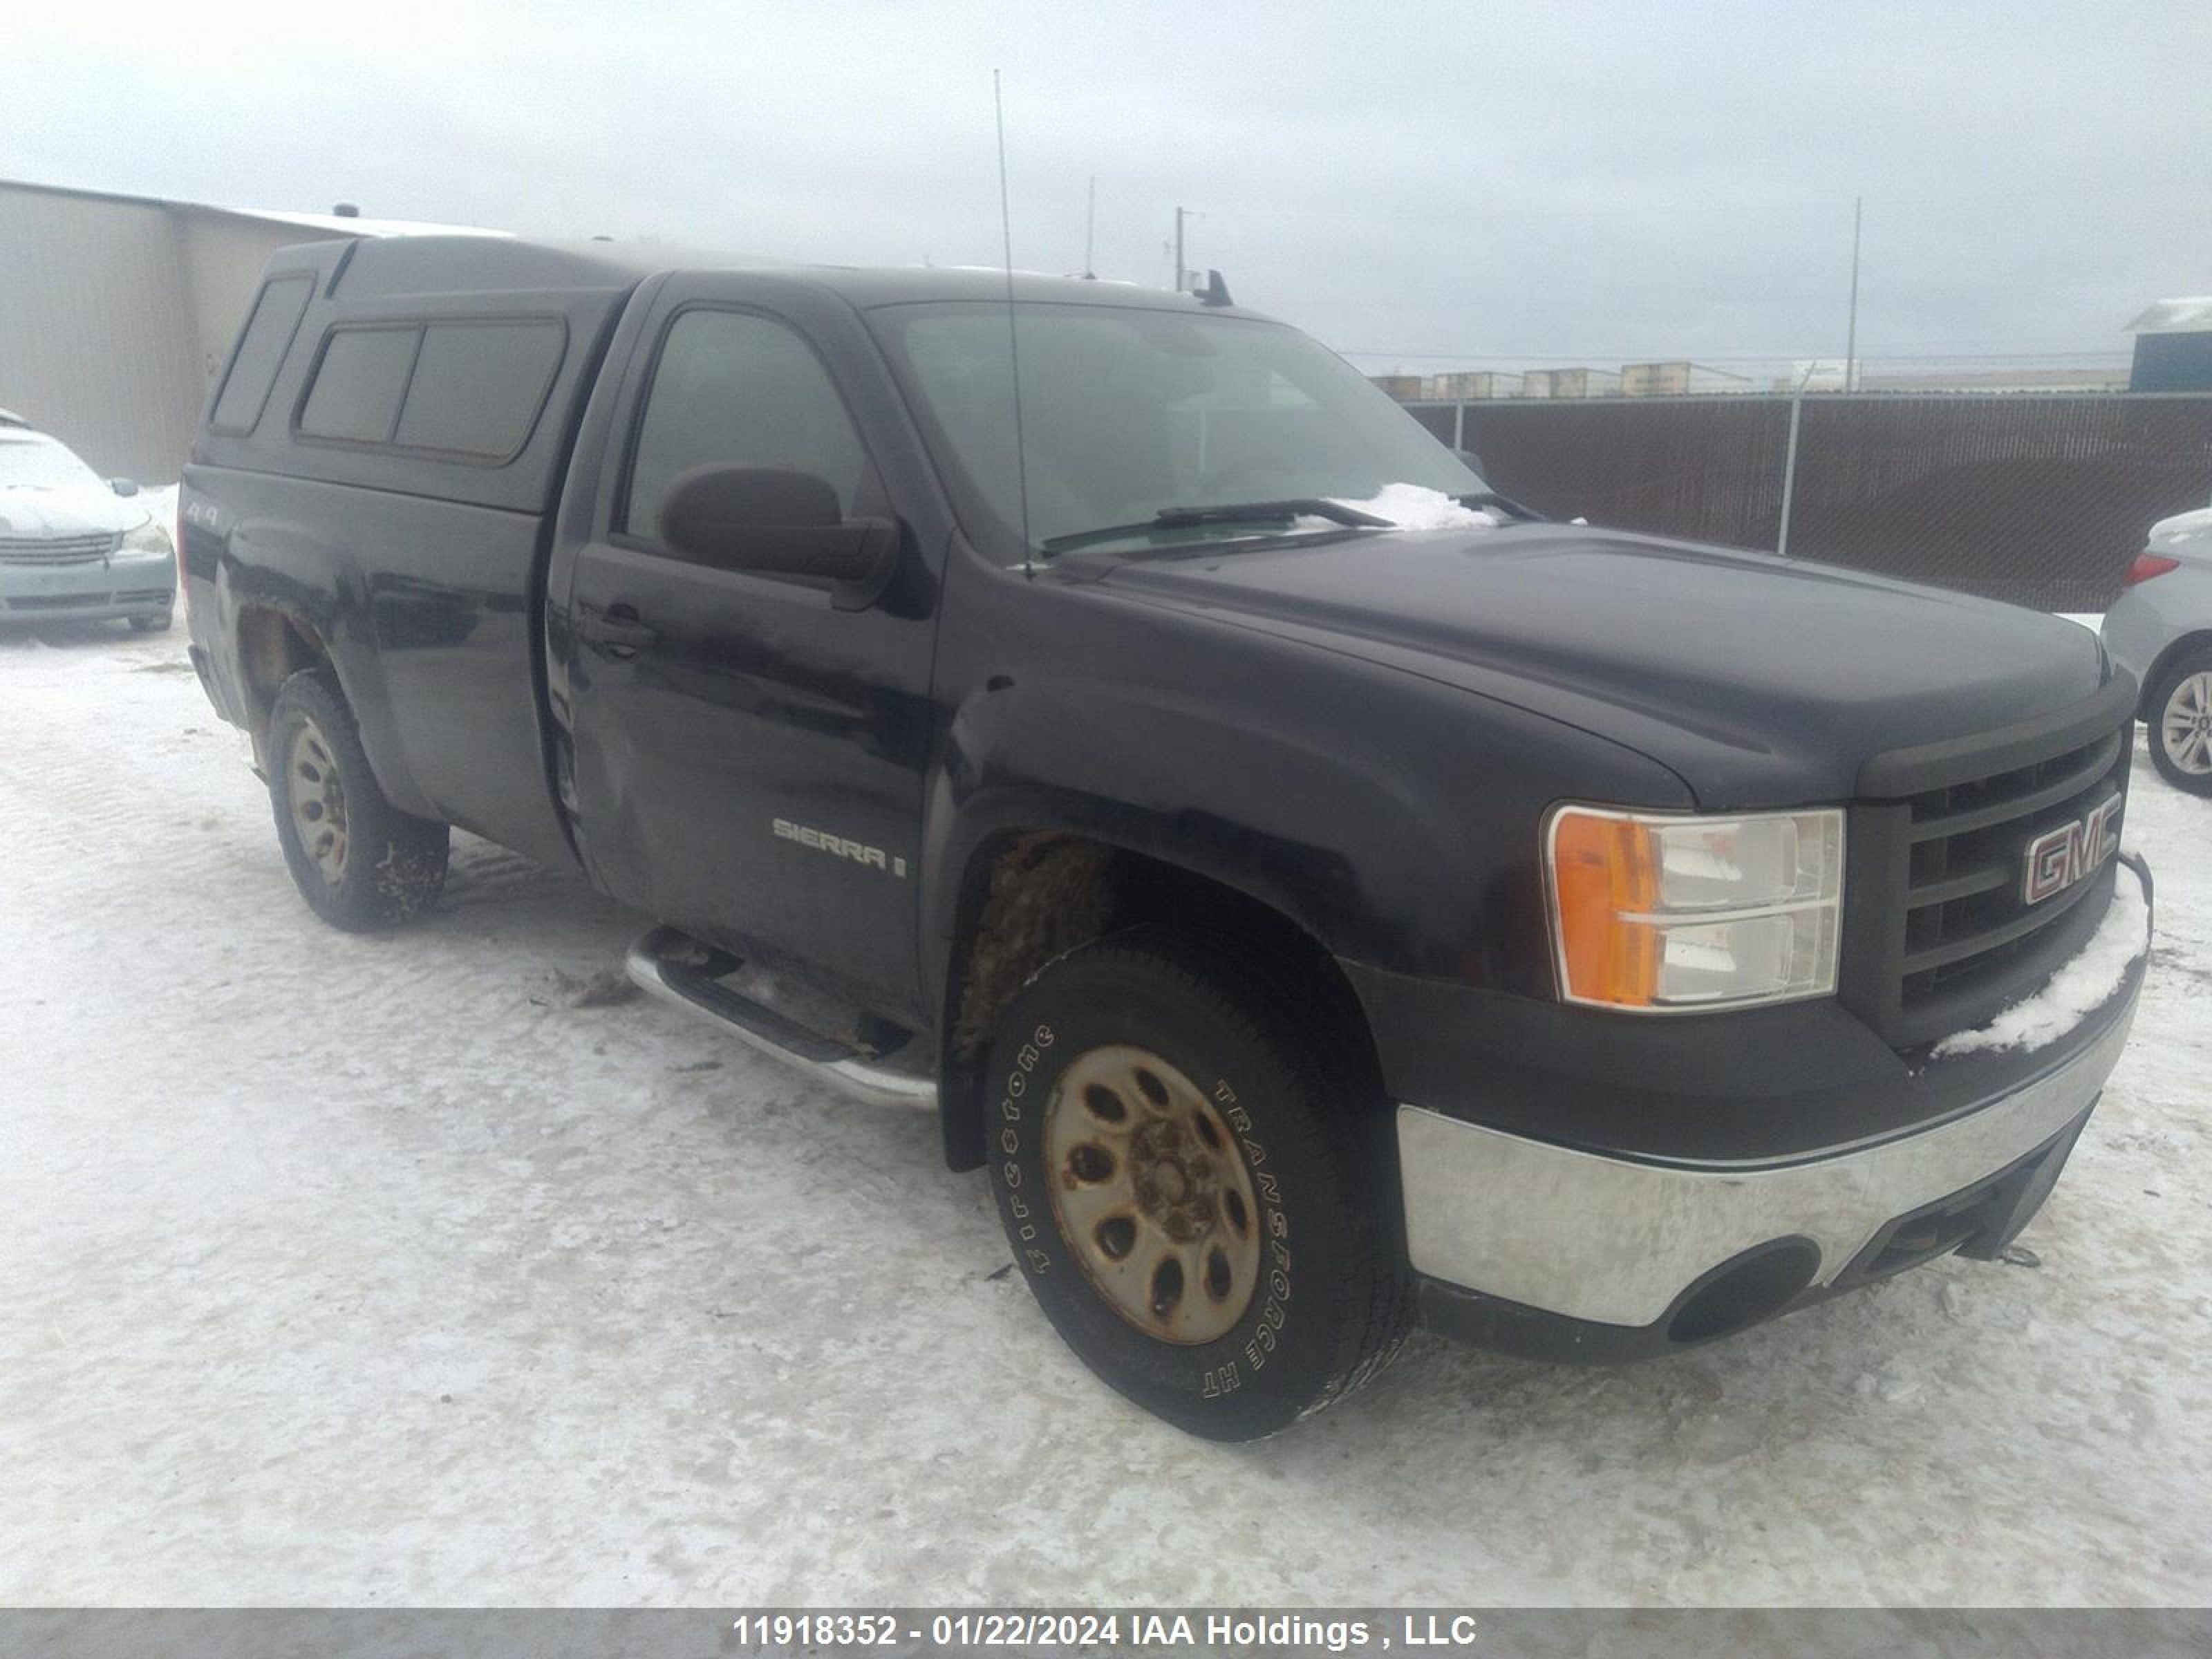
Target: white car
<point>2161,630</point>
<point>74,546</point>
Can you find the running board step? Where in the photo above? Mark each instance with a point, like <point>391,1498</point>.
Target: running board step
<point>682,971</point>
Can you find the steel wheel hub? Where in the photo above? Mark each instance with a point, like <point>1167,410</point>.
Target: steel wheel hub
<point>1152,1194</point>
<point>2186,727</point>
<point>318,801</point>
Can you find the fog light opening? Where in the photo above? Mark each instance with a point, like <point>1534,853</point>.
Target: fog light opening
<point>1755,1285</point>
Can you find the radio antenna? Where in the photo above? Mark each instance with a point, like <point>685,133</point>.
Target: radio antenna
<point>1013,335</point>
<point>1091,233</point>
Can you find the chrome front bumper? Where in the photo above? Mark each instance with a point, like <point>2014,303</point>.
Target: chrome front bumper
<point>1616,1243</point>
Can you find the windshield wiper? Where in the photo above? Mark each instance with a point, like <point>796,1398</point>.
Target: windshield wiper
<point>1185,517</point>
<point>1502,503</point>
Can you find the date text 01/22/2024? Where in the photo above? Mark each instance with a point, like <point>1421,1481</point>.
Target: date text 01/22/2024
<point>1145,1630</point>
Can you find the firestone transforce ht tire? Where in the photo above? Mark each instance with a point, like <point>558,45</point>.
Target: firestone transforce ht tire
<point>360,862</point>
<point>2180,707</point>
<point>1194,1190</point>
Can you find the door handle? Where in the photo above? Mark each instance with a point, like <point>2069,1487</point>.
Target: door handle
<point>617,631</point>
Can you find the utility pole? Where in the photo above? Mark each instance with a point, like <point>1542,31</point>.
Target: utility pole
<point>1851,336</point>
<point>1090,229</point>
<point>1789,457</point>
<point>1180,272</point>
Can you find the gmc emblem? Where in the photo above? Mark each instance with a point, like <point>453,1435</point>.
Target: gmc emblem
<point>2058,857</point>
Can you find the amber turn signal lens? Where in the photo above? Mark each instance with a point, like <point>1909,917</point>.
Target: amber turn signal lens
<point>1668,912</point>
<point>1602,870</point>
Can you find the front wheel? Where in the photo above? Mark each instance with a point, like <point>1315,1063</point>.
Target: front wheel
<point>1194,1187</point>
<point>2181,723</point>
<point>360,862</point>
<point>157,621</point>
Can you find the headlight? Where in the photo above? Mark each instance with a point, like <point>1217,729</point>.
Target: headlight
<point>147,537</point>
<point>1669,915</point>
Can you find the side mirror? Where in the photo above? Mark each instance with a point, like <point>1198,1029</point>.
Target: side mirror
<point>123,486</point>
<point>777,522</point>
<point>1473,461</point>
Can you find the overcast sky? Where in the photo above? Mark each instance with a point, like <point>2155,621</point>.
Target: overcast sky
<point>1427,186</point>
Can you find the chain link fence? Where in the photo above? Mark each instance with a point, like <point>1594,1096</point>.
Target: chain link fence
<point>2041,499</point>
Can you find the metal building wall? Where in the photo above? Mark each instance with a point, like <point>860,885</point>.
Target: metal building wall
<point>96,344</point>
<point>115,315</point>
<point>224,255</point>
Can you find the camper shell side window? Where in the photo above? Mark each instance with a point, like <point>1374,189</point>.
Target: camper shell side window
<point>468,389</point>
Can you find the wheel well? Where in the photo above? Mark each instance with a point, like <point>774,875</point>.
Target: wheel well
<point>2201,640</point>
<point>272,647</point>
<point>1028,898</point>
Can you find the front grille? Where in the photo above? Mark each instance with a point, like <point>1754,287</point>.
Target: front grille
<point>1946,937</point>
<point>1965,918</point>
<point>61,549</point>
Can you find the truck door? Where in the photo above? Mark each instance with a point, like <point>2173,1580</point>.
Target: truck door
<point>747,760</point>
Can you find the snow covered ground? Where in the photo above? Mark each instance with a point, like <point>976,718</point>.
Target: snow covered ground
<point>376,1271</point>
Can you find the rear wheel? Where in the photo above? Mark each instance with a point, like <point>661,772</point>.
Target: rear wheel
<point>359,861</point>
<point>1199,1194</point>
<point>2181,722</point>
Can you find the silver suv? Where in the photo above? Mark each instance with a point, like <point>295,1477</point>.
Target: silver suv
<point>2161,630</point>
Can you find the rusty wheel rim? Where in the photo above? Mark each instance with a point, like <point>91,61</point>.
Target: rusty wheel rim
<point>318,801</point>
<point>1152,1194</point>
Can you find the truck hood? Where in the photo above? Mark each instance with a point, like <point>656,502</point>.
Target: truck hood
<point>46,514</point>
<point>1760,681</point>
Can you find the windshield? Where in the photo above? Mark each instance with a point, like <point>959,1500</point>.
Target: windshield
<point>1127,412</point>
<point>39,463</point>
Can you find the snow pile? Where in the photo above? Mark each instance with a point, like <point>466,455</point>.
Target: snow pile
<point>1410,507</point>
<point>2093,974</point>
<point>2183,315</point>
<point>2168,533</point>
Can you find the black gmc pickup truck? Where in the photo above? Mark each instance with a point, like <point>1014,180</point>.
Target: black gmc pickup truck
<point>1324,895</point>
